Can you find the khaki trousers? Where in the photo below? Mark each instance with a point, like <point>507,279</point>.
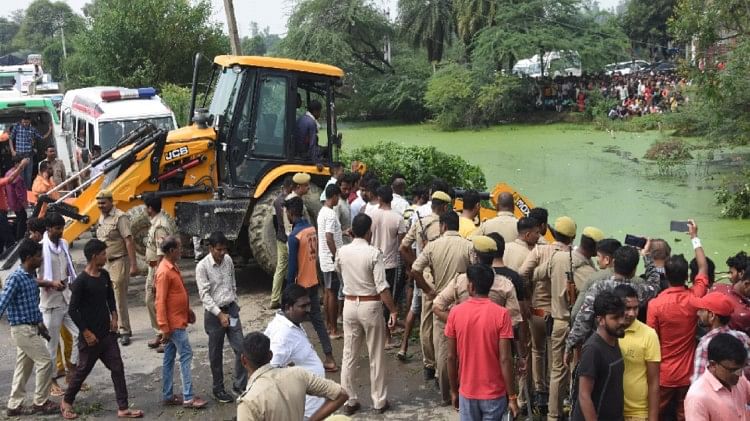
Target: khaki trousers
<point>425,332</point>
<point>523,391</point>
<point>363,323</point>
<point>151,298</point>
<point>118,272</point>
<point>538,342</point>
<point>559,382</point>
<point>30,352</point>
<point>441,358</point>
<point>282,264</point>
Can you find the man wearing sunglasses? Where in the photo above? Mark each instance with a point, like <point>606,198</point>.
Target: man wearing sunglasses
<point>721,392</point>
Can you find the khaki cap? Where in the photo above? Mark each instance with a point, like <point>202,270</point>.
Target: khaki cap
<point>566,226</point>
<point>301,178</point>
<point>104,194</point>
<point>594,233</point>
<point>443,196</point>
<point>484,244</point>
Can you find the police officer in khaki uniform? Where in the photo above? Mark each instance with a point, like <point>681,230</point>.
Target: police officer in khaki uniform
<point>114,230</point>
<point>502,291</point>
<point>567,270</point>
<point>424,229</point>
<point>447,256</point>
<point>534,269</point>
<point>505,221</point>
<point>162,226</point>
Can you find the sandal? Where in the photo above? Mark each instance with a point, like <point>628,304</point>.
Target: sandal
<point>56,390</point>
<point>402,356</point>
<point>175,400</point>
<point>68,413</point>
<point>130,413</point>
<point>331,369</point>
<point>195,403</point>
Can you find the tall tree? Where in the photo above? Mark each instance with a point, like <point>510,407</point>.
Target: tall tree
<point>145,42</point>
<point>8,30</point>
<point>340,32</point>
<point>428,23</point>
<point>474,15</point>
<point>42,22</point>
<point>645,22</point>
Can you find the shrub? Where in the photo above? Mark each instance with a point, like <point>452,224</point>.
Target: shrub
<point>734,195</point>
<point>419,164</point>
<point>178,99</point>
<point>670,149</point>
<point>450,96</point>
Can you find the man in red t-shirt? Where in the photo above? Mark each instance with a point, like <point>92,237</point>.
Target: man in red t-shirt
<point>673,315</point>
<point>479,335</point>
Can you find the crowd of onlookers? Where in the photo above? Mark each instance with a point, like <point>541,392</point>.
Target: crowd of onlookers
<point>636,94</point>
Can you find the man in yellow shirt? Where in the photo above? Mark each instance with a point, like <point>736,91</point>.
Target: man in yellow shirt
<point>470,211</point>
<point>642,355</point>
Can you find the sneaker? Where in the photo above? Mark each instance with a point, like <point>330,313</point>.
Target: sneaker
<point>16,412</point>
<point>429,373</point>
<point>124,339</point>
<point>223,397</point>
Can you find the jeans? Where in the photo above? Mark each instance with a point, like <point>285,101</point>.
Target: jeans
<point>316,317</point>
<point>481,409</point>
<point>178,343</point>
<point>216,333</point>
<point>28,172</point>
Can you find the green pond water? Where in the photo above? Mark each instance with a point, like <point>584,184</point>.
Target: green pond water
<point>597,178</point>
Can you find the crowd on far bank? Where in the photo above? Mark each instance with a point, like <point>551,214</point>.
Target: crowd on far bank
<point>637,94</point>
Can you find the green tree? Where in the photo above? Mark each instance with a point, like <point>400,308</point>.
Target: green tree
<point>8,30</point>
<point>338,32</point>
<point>144,42</point>
<point>645,22</point>
<point>428,23</point>
<point>42,22</point>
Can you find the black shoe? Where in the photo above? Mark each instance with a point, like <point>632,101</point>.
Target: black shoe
<point>429,373</point>
<point>385,407</point>
<point>349,410</point>
<point>124,339</point>
<point>223,397</point>
<point>236,391</point>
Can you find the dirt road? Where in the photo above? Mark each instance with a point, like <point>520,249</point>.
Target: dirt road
<point>410,396</point>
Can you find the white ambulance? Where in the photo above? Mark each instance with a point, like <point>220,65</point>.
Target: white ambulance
<point>100,116</point>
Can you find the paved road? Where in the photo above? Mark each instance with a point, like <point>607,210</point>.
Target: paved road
<point>410,397</point>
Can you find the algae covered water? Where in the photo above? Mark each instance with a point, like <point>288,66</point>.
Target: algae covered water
<point>595,177</point>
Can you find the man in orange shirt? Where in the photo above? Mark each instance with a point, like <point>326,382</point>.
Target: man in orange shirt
<point>303,271</point>
<point>173,314</point>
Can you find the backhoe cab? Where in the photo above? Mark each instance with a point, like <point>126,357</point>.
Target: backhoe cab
<point>222,172</point>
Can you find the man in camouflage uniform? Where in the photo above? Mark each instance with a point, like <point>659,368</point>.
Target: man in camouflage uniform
<point>114,230</point>
<point>162,226</point>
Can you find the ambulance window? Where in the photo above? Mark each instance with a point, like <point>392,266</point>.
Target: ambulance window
<point>66,120</point>
<point>81,133</point>
<point>90,138</point>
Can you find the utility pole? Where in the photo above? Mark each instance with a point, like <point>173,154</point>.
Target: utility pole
<point>234,37</point>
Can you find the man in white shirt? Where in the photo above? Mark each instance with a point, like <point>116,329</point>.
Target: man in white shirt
<point>388,229</point>
<point>56,273</point>
<point>399,204</point>
<point>329,241</point>
<point>289,342</point>
<point>217,287</point>
<point>337,173</point>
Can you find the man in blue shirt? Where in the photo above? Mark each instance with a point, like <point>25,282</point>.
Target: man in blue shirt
<point>306,132</point>
<point>20,296</point>
<point>23,136</point>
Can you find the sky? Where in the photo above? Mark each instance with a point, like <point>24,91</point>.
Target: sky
<point>267,13</point>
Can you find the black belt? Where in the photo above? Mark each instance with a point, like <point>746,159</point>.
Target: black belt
<point>112,259</point>
<point>225,309</point>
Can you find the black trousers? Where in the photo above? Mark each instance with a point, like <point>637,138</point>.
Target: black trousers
<point>21,219</point>
<point>216,334</point>
<point>108,352</point>
<point>7,236</point>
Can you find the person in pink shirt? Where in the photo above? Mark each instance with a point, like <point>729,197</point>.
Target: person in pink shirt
<point>721,392</point>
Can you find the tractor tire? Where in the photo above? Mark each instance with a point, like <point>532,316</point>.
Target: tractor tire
<point>261,235</point>
<point>139,226</point>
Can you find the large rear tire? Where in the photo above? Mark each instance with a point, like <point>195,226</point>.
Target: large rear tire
<point>261,235</point>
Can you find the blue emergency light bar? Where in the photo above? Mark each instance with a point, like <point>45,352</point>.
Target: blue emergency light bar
<point>121,94</point>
